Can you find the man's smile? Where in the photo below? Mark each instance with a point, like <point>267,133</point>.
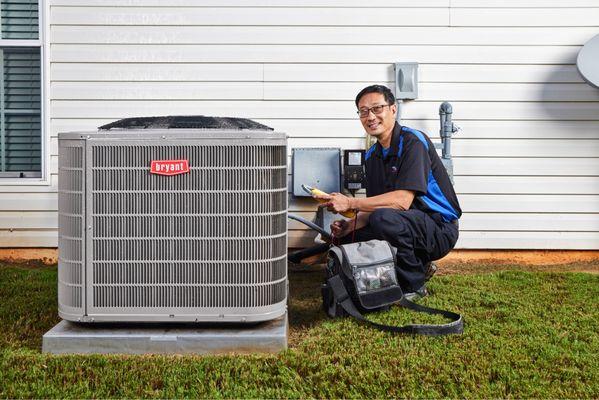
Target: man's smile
<point>373,125</point>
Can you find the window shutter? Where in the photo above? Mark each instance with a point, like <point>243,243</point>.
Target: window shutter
<point>20,90</point>
<point>20,114</point>
<point>20,19</point>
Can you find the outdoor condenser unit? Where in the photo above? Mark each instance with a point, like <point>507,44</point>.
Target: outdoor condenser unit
<point>173,219</point>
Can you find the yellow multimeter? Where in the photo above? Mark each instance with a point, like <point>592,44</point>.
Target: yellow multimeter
<point>317,192</point>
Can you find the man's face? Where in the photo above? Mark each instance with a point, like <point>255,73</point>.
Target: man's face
<point>377,125</point>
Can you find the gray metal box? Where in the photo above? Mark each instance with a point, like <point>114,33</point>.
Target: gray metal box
<point>316,167</point>
<point>406,81</point>
<point>206,245</point>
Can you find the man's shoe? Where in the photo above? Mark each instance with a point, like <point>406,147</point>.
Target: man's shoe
<point>418,294</point>
<point>431,268</point>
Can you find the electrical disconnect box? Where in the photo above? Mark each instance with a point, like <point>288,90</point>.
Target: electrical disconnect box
<point>353,168</point>
<point>406,81</point>
<point>316,167</point>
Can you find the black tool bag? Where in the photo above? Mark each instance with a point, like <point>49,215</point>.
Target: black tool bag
<point>361,278</point>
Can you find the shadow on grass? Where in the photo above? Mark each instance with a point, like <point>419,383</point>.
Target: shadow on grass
<point>29,304</point>
<point>304,301</point>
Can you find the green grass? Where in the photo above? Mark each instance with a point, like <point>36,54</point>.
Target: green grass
<point>527,334</point>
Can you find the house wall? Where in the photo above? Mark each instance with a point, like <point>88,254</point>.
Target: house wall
<point>526,160</point>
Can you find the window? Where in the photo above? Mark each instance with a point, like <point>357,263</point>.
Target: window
<point>20,90</point>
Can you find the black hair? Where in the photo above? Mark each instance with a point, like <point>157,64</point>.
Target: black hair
<point>384,90</point>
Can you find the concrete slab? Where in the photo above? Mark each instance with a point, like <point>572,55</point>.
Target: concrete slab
<point>72,338</point>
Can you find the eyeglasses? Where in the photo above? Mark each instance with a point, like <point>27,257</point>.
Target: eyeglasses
<point>376,110</point>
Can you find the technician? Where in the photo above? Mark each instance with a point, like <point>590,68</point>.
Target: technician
<point>410,199</point>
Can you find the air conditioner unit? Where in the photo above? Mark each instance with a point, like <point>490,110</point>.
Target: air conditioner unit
<point>173,219</point>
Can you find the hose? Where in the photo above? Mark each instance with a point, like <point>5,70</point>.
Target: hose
<point>310,225</point>
<point>297,256</point>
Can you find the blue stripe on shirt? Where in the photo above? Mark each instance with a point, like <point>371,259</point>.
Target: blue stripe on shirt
<point>369,152</point>
<point>436,200</point>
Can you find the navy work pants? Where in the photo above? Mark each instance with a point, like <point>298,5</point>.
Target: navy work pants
<point>419,238</point>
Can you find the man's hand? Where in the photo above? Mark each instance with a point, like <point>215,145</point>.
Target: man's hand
<point>341,227</point>
<point>336,202</point>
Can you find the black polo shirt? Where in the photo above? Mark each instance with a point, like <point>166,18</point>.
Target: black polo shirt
<point>412,163</point>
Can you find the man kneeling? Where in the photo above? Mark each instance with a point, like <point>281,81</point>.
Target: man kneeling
<point>410,199</point>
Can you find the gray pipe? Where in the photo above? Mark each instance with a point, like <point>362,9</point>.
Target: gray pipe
<point>398,115</point>
<point>447,129</point>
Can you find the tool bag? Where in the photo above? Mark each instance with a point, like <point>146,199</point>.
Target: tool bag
<point>361,278</point>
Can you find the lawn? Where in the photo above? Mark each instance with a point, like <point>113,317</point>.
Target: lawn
<point>527,334</point>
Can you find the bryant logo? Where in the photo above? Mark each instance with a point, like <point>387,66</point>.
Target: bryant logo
<point>169,167</point>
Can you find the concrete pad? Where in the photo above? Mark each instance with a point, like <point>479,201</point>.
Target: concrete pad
<point>72,338</point>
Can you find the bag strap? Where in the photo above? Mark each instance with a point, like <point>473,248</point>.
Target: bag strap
<point>456,326</point>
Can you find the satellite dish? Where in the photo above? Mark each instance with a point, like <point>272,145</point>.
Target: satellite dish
<point>588,61</point>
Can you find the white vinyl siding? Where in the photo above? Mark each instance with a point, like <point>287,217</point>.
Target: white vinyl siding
<point>526,160</point>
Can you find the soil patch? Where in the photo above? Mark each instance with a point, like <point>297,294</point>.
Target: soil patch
<point>453,268</point>
<point>527,257</point>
